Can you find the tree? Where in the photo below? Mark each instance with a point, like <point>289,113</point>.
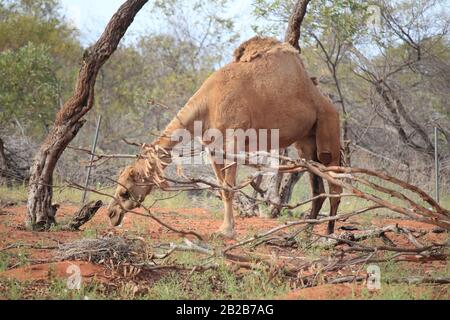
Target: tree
<point>408,57</point>
<point>39,55</point>
<point>39,22</point>
<point>157,68</point>
<point>69,119</point>
<point>200,23</point>
<point>29,90</point>
<point>331,26</point>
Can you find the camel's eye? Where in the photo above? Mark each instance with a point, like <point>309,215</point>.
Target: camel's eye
<point>125,195</point>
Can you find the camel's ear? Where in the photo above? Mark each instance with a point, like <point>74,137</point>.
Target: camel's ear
<point>132,172</point>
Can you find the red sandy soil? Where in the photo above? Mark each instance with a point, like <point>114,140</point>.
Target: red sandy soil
<point>325,292</point>
<point>348,291</point>
<point>88,271</point>
<point>12,231</point>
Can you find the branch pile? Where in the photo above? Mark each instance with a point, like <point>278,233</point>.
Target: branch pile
<point>347,251</point>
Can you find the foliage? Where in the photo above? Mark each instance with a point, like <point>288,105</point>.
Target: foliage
<point>38,53</point>
<point>39,22</point>
<point>29,90</point>
<point>201,23</point>
<point>196,38</point>
<point>407,52</point>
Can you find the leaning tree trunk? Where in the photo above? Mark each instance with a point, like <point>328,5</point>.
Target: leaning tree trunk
<point>287,186</point>
<point>69,119</point>
<point>279,191</point>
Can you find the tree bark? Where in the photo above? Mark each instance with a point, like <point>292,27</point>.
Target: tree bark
<point>287,186</point>
<point>69,119</point>
<point>272,196</point>
<point>398,111</point>
<point>295,23</point>
<point>279,191</point>
<point>84,215</point>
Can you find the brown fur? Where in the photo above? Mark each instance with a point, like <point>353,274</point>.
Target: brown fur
<point>253,48</point>
<point>266,87</point>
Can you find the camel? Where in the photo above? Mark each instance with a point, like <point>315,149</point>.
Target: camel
<point>265,86</point>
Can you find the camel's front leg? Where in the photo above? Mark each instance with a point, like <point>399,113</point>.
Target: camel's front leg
<point>226,179</point>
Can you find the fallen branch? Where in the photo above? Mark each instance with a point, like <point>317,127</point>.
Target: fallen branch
<point>296,223</point>
<point>84,215</point>
<point>420,280</point>
<point>148,214</point>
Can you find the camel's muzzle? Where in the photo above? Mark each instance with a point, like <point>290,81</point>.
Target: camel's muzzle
<point>115,215</point>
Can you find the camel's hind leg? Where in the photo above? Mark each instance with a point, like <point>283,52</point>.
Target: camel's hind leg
<point>317,189</point>
<point>226,179</point>
<point>328,150</point>
<point>307,150</point>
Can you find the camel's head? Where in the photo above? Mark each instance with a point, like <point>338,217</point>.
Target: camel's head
<point>137,181</point>
<point>131,191</point>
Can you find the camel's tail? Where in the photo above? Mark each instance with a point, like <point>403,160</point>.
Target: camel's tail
<point>328,137</point>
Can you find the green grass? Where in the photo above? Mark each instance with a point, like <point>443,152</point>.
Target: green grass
<point>55,290</point>
<point>222,283</point>
<point>404,291</point>
<point>219,284</point>
<point>158,198</point>
<point>5,260</point>
<point>175,200</point>
<point>19,194</point>
<point>398,292</point>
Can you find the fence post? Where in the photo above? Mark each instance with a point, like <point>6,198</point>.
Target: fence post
<point>436,162</point>
<point>94,146</point>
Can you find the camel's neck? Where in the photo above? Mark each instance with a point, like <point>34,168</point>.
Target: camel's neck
<point>183,124</point>
<point>167,138</point>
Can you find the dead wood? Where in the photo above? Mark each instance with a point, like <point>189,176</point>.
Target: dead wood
<point>346,251</point>
<point>148,213</point>
<point>84,215</point>
<point>420,280</point>
<point>109,250</point>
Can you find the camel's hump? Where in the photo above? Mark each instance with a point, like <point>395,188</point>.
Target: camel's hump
<point>257,46</point>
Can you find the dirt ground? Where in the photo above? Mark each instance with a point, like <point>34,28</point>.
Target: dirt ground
<point>37,269</point>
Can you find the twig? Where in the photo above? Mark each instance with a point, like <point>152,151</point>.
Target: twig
<point>295,223</point>
<point>148,214</point>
